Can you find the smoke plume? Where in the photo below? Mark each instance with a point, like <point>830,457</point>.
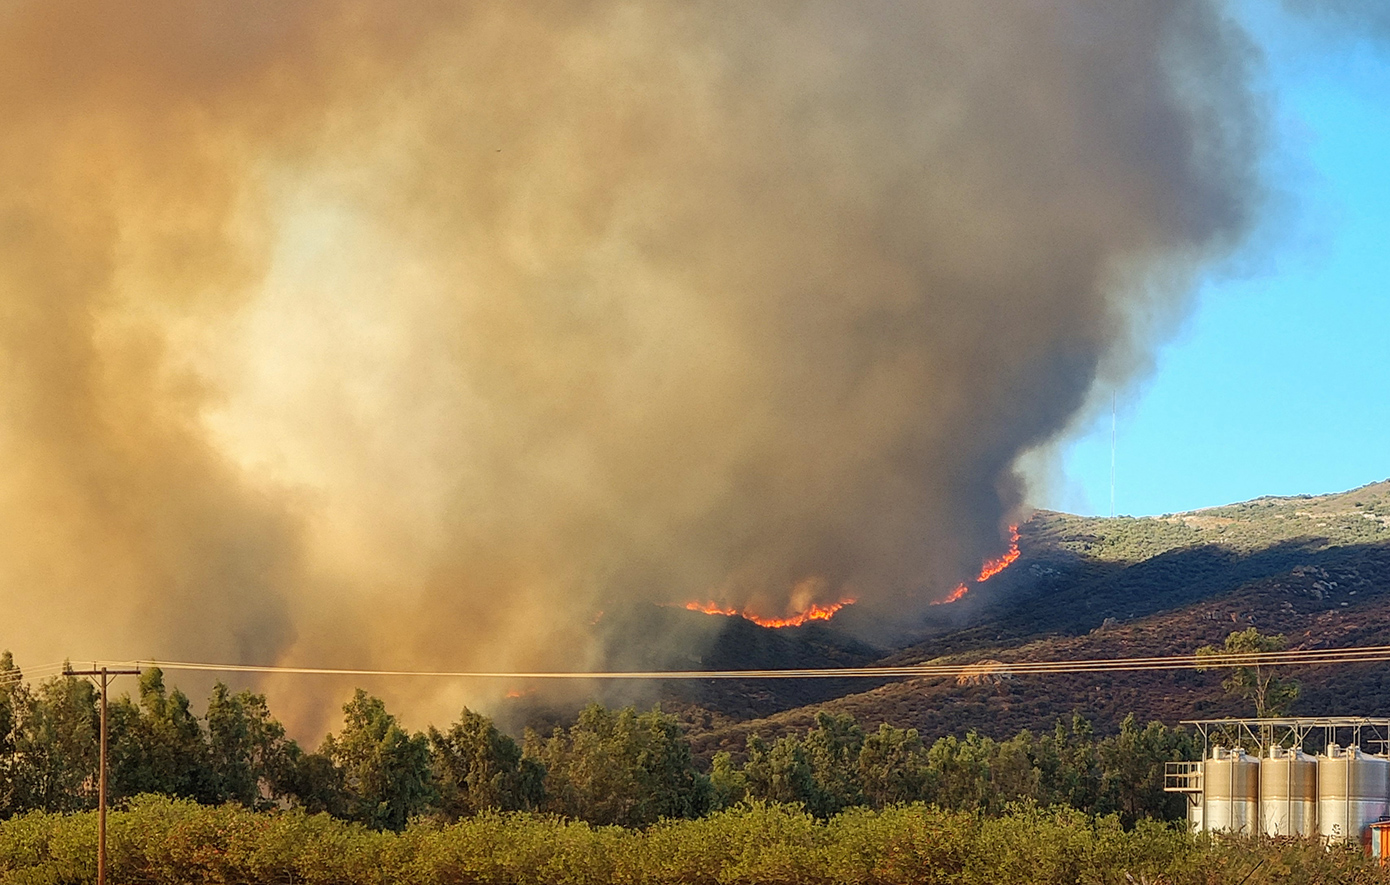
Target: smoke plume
<point>344,333</point>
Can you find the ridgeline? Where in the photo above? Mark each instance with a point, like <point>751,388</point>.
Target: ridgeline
<point>1314,568</point>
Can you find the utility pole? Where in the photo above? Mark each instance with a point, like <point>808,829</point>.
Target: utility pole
<point>104,674</point>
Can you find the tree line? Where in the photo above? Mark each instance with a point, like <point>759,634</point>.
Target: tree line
<point>621,767</point>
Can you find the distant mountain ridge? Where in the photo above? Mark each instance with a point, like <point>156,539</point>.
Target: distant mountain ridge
<point>1316,568</point>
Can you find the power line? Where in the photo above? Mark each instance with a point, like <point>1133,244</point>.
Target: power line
<point>1221,660</point>
<point>20,674</point>
<point>1298,657</point>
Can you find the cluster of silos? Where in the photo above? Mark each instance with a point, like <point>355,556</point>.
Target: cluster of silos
<point>1336,795</point>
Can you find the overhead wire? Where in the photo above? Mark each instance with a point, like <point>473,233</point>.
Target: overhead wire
<point>21,674</point>
<point>1219,660</point>
<point>985,667</point>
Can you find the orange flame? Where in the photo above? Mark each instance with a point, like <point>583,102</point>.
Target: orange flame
<point>988,570</point>
<point>955,594</point>
<point>710,608</point>
<point>995,566</point>
<point>816,612</point>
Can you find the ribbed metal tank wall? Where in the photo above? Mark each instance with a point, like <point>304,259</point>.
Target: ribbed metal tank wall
<point>1352,792</point>
<point>1196,817</point>
<point>1231,780</point>
<point>1288,793</point>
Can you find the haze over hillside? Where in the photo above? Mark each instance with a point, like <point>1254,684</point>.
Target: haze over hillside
<point>1315,568</point>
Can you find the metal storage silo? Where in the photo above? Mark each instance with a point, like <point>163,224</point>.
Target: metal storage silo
<point>1352,792</point>
<point>1288,793</point>
<point>1231,781</point>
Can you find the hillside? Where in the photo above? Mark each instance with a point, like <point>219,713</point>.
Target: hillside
<point>1314,568</point>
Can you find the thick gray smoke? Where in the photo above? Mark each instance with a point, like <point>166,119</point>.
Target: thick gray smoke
<point>419,335</point>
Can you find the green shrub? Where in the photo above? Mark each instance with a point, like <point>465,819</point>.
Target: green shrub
<point>161,841</point>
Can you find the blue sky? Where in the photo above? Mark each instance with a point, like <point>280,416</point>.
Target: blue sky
<point>1278,383</point>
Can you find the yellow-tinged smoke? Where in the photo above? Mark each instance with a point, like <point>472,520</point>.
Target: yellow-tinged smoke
<point>353,333</point>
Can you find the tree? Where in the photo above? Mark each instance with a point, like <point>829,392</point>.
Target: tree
<point>477,767</point>
<point>157,745</point>
<point>56,744</point>
<point>1014,774</point>
<point>248,753</point>
<point>833,748</point>
<point>1261,683</point>
<point>385,770</point>
<point>11,702</point>
<point>960,772</point>
<point>1133,763</point>
<point>313,783</point>
<point>727,784</point>
<point>892,766</point>
<point>1069,771</point>
<point>781,773</point>
<point>621,768</point>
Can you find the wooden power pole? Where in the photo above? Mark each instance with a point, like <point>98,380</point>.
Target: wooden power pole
<point>104,674</point>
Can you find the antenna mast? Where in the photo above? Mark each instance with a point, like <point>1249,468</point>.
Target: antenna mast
<point>1112,454</point>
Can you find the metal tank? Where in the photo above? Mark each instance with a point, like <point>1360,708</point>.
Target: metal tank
<point>1352,792</point>
<point>1231,781</point>
<point>1288,793</point>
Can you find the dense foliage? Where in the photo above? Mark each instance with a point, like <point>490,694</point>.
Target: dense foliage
<point>165,842</point>
<point>837,766</point>
<point>610,767</point>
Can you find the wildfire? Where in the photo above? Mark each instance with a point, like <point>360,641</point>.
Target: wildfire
<point>955,594</point>
<point>816,612</point>
<point>988,570</point>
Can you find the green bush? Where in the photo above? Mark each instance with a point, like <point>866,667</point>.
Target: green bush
<point>162,841</point>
